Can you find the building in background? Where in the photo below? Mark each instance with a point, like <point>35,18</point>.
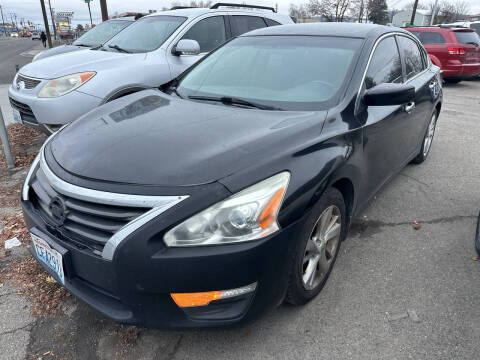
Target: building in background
<point>402,18</point>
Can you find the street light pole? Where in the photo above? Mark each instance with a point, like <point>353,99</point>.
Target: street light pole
<point>91,22</point>
<point>45,20</point>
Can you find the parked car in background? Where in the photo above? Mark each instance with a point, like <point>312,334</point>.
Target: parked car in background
<point>474,25</point>
<point>153,50</point>
<point>232,190</point>
<point>14,34</point>
<point>455,50</point>
<point>96,36</point>
<point>36,35</point>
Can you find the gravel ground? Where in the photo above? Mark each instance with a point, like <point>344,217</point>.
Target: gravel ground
<point>395,292</point>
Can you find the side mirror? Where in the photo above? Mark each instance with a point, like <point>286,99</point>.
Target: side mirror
<point>187,47</point>
<point>389,94</point>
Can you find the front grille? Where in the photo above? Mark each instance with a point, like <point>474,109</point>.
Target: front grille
<point>87,224</point>
<point>25,111</point>
<point>29,82</point>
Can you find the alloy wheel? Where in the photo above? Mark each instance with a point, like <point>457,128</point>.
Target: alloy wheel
<point>427,142</point>
<point>321,247</point>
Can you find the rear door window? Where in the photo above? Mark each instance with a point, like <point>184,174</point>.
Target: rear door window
<point>412,56</point>
<point>271,22</point>
<point>385,66</point>
<point>467,37</point>
<point>242,24</point>
<point>432,38</point>
<point>209,33</point>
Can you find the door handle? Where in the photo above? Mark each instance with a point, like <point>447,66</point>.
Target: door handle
<point>409,107</point>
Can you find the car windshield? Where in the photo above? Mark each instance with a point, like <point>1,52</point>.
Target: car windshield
<point>146,34</point>
<point>467,37</point>
<point>101,33</point>
<point>277,72</point>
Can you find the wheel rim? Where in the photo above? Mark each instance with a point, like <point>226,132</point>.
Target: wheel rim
<point>427,142</point>
<point>321,247</point>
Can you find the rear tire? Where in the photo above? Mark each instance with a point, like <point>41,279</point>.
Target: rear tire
<point>452,81</point>
<point>317,248</point>
<point>427,140</point>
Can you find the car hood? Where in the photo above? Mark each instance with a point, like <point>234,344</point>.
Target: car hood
<point>78,61</point>
<point>62,49</point>
<point>151,138</point>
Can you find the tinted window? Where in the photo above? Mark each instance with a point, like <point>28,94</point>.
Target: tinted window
<point>385,66</point>
<point>476,27</point>
<point>271,22</point>
<point>101,33</point>
<point>242,24</point>
<point>209,33</point>
<point>467,37</point>
<point>411,56</point>
<point>431,38</point>
<point>284,72</point>
<point>146,34</point>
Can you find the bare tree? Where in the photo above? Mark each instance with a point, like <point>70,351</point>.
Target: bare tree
<point>299,11</point>
<point>331,10</point>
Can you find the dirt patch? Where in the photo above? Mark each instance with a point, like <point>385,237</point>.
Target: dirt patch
<point>34,282</point>
<point>23,143</point>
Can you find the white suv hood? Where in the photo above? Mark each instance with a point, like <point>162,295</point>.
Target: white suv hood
<point>78,61</point>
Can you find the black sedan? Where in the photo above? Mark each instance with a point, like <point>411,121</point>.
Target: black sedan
<point>231,190</point>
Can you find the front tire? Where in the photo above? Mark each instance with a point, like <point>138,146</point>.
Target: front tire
<point>317,248</point>
<point>427,140</point>
<point>452,81</point>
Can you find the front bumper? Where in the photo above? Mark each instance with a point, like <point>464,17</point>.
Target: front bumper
<point>46,113</point>
<point>135,287</point>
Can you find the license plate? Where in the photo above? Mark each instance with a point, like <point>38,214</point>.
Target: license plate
<point>16,116</point>
<point>51,257</point>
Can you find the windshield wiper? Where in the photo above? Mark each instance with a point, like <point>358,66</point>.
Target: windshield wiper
<point>228,100</point>
<point>84,45</point>
<point>118,48</point>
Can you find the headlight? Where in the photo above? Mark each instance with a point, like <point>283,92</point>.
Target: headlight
<point>248,215</point>
<point>64,85</point>
<point>35,57</point>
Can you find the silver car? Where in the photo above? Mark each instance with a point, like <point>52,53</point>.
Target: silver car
<point>48,93</point>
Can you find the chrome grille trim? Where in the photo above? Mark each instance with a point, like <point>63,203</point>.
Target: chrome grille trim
<point>29,82</point>
<point>155,205</point>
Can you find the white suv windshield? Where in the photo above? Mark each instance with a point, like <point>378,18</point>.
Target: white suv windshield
<point>101,33</point>
<point>277,72</point>
<point>146,34</point>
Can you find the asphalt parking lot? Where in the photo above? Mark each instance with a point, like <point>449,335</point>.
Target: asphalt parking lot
<point>395,292</point>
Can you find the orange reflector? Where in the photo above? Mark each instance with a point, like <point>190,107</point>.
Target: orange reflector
<point>269,213</point>
<point>85,76</point>
<point>195,299</point>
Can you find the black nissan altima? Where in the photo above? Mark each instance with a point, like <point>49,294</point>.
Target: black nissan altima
<point>229,190</point>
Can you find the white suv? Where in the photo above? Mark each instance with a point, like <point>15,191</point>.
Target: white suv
<point>152,51</point>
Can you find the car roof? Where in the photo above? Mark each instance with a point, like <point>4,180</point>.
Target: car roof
<point>327,28</point>
<point>195,12</point>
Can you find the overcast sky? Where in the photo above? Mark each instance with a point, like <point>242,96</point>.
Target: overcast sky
<point>31,10</point>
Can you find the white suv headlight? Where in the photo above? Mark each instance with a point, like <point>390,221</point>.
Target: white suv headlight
<point>248,215</point>
<point>65,84</point>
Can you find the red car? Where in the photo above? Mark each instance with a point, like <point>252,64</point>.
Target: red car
<point>455,50</point>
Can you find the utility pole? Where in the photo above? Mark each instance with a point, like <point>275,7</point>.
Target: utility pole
<point>45,20</point>
<point>412,20</point>
<point>434,11</point>
<point>53,21</point>
<point>103,7</point>
<point>3,21</point>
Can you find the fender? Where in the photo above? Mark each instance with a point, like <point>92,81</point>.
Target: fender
<point>435,60</point>
<point>124,90</point>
